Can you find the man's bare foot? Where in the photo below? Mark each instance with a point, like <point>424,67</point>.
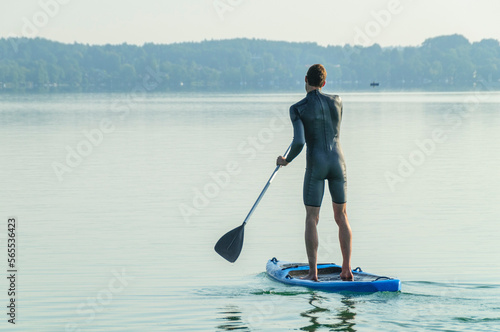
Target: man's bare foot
<point>346,275</point>
<point>312,274</point>
<point>310,277</point>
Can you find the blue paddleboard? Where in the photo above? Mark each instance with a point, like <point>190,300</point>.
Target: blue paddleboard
<point>329,278</point>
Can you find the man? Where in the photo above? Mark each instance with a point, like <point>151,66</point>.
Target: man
<point>316,121</point>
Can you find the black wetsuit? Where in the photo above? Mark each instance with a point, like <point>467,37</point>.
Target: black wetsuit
<point>316,121</point>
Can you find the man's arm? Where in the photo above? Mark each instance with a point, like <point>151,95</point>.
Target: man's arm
<point>298,135</point>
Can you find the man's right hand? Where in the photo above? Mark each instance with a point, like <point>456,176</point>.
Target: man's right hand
<point>281,161</point>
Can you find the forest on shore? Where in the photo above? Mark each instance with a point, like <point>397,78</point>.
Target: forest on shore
<point>439,64</point>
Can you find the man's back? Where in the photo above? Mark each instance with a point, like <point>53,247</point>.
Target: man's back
<point>316,120</point>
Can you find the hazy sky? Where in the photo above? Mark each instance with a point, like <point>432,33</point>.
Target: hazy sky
<point>326,22</point>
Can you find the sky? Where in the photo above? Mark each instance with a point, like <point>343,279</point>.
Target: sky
<point>326,22</point>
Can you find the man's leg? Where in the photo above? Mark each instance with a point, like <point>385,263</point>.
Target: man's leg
<point>345,238</point>
<point>311,237</point>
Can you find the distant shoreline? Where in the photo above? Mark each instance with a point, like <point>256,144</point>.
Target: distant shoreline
<point>444,63</point>
<point>246,92</point>
<point>489,88</point>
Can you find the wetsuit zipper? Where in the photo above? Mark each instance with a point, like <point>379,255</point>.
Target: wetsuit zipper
<point>324,122</point>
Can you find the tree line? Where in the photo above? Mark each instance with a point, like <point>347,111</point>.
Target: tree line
<point>440,63</point>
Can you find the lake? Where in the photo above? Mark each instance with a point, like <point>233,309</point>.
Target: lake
<point>120,198</point>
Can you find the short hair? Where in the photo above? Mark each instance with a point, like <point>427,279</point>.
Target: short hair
<point>316,75</point>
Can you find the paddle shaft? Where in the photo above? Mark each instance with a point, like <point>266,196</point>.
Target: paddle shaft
<point>265,188</point>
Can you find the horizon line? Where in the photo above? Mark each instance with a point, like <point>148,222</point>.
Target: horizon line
<point>236,38</point>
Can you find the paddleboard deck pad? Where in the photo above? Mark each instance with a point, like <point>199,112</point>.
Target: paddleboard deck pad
<point>329,278</point>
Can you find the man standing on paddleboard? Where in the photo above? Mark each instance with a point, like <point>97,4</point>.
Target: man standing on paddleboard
<point>316,122</point>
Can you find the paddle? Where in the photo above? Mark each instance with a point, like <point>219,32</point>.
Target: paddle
<point>230,244</point>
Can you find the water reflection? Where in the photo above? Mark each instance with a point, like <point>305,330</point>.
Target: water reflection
<point>231,315</point>
<point>344,317</point>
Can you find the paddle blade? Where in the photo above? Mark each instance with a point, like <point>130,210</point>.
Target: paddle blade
<point>229,246</point>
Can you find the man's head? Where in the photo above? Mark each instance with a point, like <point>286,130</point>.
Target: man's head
<point>316,76</point>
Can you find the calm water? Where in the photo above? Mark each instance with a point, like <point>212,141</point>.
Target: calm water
<point>120,200</point>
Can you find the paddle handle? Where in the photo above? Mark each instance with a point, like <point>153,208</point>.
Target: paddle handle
<point>265,188</point>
